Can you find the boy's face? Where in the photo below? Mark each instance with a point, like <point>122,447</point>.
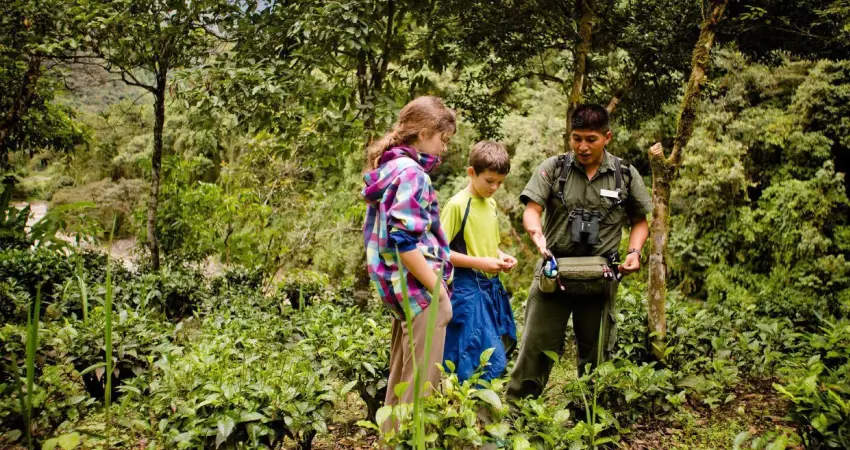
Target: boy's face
<point>486,183</point>
<point>589,145</point>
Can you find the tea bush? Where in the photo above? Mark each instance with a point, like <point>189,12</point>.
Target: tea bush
<point>355,342</point>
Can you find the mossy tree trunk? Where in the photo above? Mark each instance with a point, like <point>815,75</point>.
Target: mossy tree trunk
<point>579,63</point>
<point>664,172</point>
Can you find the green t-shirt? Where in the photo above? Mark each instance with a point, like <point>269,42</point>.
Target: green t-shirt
<point>579,192</point>
<point>482,225</point>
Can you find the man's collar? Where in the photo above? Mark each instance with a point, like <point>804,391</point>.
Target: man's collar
<point>606,165</point>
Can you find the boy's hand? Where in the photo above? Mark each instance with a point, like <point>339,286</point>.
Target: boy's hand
<point>491,265</point>
<point>510,261</point>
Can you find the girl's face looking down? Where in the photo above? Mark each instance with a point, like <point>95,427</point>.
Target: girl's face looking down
<point>434,144</point>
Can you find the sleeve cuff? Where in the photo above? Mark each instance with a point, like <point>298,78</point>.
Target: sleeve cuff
<point>405,242</point>
<point>529,195</point>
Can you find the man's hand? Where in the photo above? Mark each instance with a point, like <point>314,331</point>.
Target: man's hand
<point>491,265</point>
<point>540,241</point>
<point>533,226</point>
<point>509,261</point>
<point>631,265</point>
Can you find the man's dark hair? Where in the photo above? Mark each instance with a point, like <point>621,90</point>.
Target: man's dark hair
<point>590,116</point>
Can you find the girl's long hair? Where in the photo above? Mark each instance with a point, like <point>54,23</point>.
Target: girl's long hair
<point>426,115</point>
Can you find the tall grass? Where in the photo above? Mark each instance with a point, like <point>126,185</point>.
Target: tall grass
<point>107,399</point>
<point>418,418</point>
<point>84,293</point>
<point>32,346</point>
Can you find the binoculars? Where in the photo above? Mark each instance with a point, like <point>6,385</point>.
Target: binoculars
<point>584,226</point>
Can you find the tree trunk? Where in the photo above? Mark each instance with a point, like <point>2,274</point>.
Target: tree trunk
<point>12,118</point>
<point>580,64</point>
<point>664,173</point>
<point>156,165</point>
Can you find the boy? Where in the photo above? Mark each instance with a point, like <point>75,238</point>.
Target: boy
<point>482,316</point>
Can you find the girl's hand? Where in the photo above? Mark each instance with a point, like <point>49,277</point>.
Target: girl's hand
<point>445,309</point>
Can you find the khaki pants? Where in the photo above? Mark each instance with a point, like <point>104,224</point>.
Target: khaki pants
<point>546,317</point>
<point>401,360</point>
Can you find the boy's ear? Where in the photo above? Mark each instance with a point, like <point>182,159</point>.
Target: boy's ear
<point>608,136</point>
<point>470,171</point>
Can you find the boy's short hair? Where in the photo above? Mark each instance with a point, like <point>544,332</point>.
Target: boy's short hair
<point>489,155</point>
<point>590,116</point>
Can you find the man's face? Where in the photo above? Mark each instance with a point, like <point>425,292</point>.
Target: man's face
<point>589,145</point>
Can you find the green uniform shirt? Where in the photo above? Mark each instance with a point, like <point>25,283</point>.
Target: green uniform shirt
<point>579,192</point>
<point>482,226</point>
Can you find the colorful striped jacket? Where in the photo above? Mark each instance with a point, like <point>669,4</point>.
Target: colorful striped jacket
<point>403,214</point>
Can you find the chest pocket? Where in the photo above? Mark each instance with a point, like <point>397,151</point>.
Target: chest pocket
<point>615,209</point>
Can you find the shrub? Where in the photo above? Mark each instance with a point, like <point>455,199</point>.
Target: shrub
<point>113,199</point>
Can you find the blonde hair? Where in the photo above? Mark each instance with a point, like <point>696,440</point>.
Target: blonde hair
<point>424,114</point>
<point>489,155</point>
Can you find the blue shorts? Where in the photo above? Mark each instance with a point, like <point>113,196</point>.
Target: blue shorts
<point>482,318</point>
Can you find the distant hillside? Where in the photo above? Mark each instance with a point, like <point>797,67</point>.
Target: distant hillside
<point>91,89</point>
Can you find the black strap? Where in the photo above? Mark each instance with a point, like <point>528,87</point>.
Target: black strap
<point>620,167</point>
<point>458,243</point>
<point>566,167</point>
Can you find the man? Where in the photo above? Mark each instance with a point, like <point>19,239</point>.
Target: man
<point>589,195</point>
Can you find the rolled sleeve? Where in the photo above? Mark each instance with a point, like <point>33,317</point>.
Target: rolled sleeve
<point>403,241</point>
<point>640,202</point>
<point>539,187</point>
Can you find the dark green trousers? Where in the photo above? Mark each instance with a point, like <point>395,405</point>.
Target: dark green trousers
<point>546,317</point>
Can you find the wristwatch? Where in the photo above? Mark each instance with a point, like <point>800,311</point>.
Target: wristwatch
<point>634,250</point>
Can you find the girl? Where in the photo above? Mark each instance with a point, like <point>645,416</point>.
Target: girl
<point>403,219</point>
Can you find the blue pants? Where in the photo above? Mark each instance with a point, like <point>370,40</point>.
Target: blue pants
<point>482,318</point>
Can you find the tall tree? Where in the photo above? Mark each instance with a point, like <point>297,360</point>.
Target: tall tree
<point>144,41</point>
<point>613,50</point>
<point>585,34</point>
<point>664,174</point>
<point>34,36</point>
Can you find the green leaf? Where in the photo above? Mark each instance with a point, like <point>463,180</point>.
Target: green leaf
<point>184,437</point>
<point>521,443</point>
<point>370,368</point>
<point>367,424</point>
<point>401,388</point>
<point>740,439</point>
<point>70,441</point>
<point>485,356</point>
<point>552,355</point>
<point>499,430</point>
<point>225,427</point>
<point>489,397</point>
<point>562,416</point>
<point>691,381</point>
<point>348,387</point>
<point>251,417</point>
<point>383,414</point>
<point>50,444</point>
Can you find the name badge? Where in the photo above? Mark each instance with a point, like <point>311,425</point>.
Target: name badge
<point>610,194</point>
